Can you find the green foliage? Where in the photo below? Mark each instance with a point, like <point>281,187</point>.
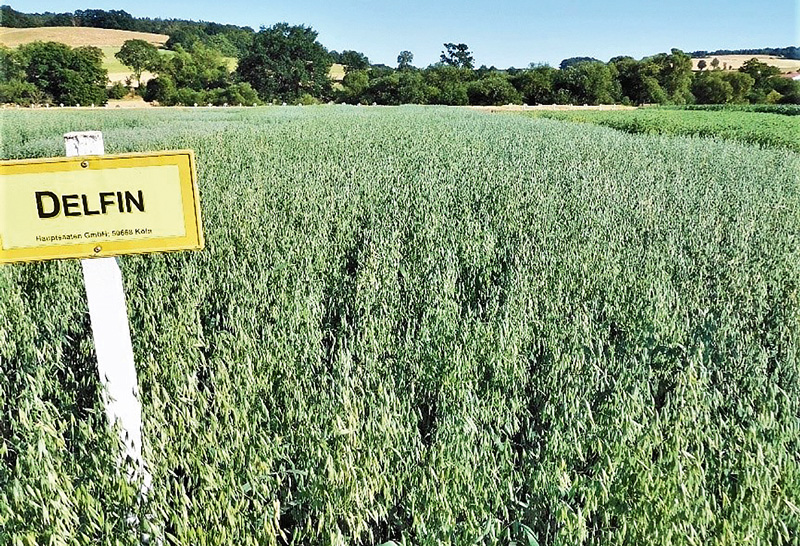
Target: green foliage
<point>788,89</point>
<point>783,109</point>
<point>587,83</point>
<point>11,67</point>
<point>63,74</point>
<point>447,84</point>
<point>494,89</point>
<point>534,333</point>
<point>399,87</point>
<point>404,60</point>
<point>13,86</point>
<point>197,76</point>
<point>458,56</point>
<point>675,75</point>
<point>139,56</point>
<point>740,83</point>
<point>742,124</point>
<point>760,72</point>
<point>712,88</point>
<point>536,85</point>
<point>566,63</point>
<point>353,60</point>
<point>21,92</point>
<point>638,81</point>
<point>723,87</point>
<point>117,91</point>
<point>354,85</point>
<point>285,62</point>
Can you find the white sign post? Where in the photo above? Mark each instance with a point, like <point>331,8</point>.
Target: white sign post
<point>93,206</point>
<point>112,337</point>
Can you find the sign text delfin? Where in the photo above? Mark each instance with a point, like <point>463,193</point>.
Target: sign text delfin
<point>98,206</point>
<point>50,205</point>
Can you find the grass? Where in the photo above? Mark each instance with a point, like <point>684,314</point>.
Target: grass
<point>424,326</point>
<point>743,125</point>
<point>111,63</point>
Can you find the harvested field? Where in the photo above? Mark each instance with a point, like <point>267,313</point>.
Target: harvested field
<point>734,62</point>
<point>77,36</point>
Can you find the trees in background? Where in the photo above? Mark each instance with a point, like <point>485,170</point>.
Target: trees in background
<point>492,90</point>
<point>674,75</point>
<point>536,85</point>
<point>404,60</point>
<point>566,63</point>
<point>764,76</point>
<point>285,63</point>
<point>588,82</point>
<point>457,55</point>
<point>665,78</point>
<point>638,81</point>
<point>352,60</point>
<point>230,40</point>
<point>139,56</point>
<point>51,72</point>
<point>199,75</point>
<point>447,84</point>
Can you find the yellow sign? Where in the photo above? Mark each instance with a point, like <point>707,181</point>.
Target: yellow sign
<point>80,207</point>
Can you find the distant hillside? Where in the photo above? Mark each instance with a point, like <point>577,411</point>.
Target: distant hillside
<point>77,36</point>
<point>733,62</point>
<point>791,52</point>
<point>230,40</point>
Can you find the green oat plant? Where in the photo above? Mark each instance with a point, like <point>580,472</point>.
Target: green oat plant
<point>782,109</point>
<point>770,128</point>
<point>424,326</point>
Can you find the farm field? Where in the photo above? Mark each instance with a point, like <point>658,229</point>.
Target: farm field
<point>781,129</point>
<point>77,36</point>
<point>734,62</point>
<point>108,40</point>
<point>424,325</point>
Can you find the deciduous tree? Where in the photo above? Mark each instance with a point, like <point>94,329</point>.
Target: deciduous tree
<point>457,55</point>
<point>404,60</point>
<point>353,60</point>
<point>139,55</point>
<point>67,75</point>
<point>285,62</point>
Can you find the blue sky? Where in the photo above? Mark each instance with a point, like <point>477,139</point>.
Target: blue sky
<point>502,33</point>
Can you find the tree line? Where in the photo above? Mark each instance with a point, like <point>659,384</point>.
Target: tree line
<point>791,52</point>
<point>287,64</point>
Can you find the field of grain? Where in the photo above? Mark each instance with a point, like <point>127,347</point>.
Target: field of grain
<point>77,36</point>
<point>424,326</point>
<point>765,125</point>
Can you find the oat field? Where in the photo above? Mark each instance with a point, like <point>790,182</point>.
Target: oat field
<point>424,326</point>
